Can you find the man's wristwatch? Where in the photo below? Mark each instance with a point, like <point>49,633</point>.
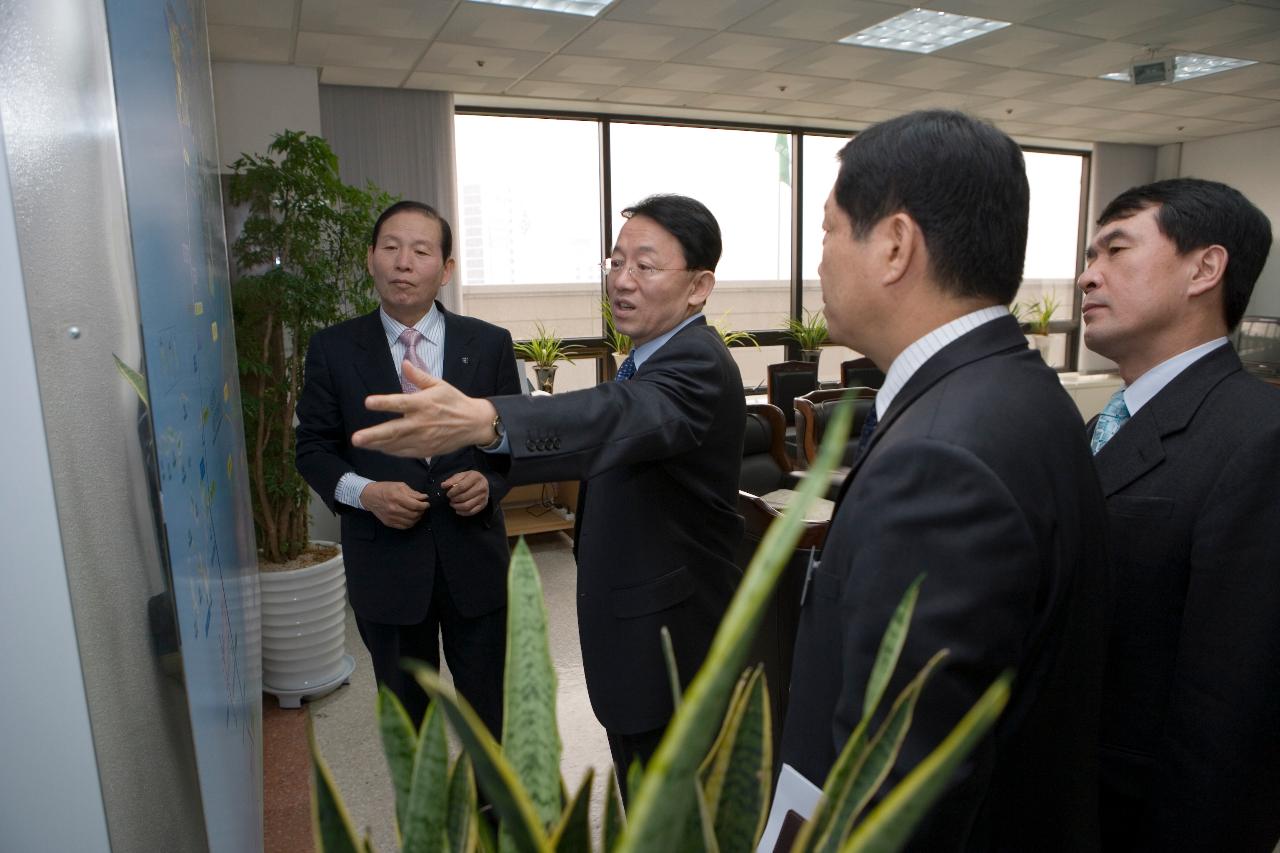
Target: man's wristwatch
<point>499,433</point>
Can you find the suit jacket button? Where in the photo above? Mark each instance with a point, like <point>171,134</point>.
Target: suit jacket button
<point>555,445</point>
<point>530,444</point>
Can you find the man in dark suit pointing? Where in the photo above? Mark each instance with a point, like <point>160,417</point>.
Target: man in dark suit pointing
<point>423,539</point>
<point>976,475</point>
<point>660,451</point>
<point>1188,453</point>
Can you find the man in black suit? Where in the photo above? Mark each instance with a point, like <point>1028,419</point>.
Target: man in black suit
<point>660,451</point>
<point>1188,453</point>
<point>423,539</point>
<point>976,475</point>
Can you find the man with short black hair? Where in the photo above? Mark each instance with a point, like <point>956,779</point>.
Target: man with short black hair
<point>977,476</point>
<point>423,540</point>
<point>657,527</point>
<point>1188,453</point>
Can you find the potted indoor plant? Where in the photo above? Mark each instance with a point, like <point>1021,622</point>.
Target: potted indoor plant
<point>732,337</point>
<point>301,258</point>
<point>617,341</point>
<point>810,333</point>
<point>1036,317</point>
<point>545,349</point>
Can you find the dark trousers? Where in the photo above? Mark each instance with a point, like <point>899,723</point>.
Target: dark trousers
<point>475,648</point>
<point>629,748</point>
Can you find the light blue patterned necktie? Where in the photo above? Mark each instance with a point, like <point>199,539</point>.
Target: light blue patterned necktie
<point>1112,417</point>
<point>627,370</point>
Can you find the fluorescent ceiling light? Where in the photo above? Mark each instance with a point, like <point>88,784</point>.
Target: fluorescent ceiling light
<point>1188,66</point>
<point>923,31</point>
<point>590,8</point>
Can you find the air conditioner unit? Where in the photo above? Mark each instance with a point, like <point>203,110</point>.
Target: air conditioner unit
<point>1144,72</point>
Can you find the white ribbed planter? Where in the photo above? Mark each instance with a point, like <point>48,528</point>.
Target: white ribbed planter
<point>303,631</point>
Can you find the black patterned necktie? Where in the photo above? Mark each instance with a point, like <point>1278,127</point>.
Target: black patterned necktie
<point>627,370</point>
<point>868,429</point>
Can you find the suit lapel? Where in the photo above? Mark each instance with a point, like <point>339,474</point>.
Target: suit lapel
<point>373,361</point>
<point>1139,445</point>
<point>996,336</point>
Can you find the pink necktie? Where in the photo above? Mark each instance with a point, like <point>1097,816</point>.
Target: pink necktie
<point>410,337</point>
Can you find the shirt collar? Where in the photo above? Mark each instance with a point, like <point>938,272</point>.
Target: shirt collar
<point>1153,381</point>
<point>642,352</point>
<point>913,357</point>
<point>431,324</point>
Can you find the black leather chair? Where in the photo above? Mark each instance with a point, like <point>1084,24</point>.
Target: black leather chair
<point>861,373</point>
<point>765,463</point>
<point>788,380</point>
<point>814,409</point>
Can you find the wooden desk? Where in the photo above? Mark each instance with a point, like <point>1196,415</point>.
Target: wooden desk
<point>540,507</point>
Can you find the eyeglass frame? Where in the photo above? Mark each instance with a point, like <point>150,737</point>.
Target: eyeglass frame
<point>637,271</point>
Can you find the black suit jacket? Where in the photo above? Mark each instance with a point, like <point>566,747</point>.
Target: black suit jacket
<point>659,525</point>
<point>390,572</point>
<point>1191,709</point>
<point>977,476</point>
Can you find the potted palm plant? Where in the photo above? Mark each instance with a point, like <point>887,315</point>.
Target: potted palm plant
<point>1036,317</point>
<point>545,350</point>
<point>301,258</point>
<point>810,333</point>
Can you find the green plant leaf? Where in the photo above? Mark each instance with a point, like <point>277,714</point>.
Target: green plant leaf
<point>573,833</point>
<point>658,811</point>
<point>331,825</point>
<point>736,778</point>
<point>891,822</point>
<point>530,738</point>
<point>134,378</point>
<point>399,744</point>
<point>673,671</point>
<point>496,777</point>
<point>460,826</point>
<point>876,762</point>
<point>614,819</point>
<point>428,811</point>
<point>895,637</point>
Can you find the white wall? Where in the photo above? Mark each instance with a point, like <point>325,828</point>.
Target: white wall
<point>254,102</point>
<point>1250,162</point>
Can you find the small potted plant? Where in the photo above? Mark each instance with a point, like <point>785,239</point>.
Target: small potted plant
<point>1036,317</point>
<point>733,337</point>
<point>810,333</point>
<point>617,341</point>
<point>545,350</point>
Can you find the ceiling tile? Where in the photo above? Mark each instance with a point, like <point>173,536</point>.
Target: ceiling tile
<point>965,102</point>
<point>249,44</point>
<point>814,110</point>
<point>1259,81</point>
<point>1014,109</point>
<point>272,14</point>
<point>468,60</point>
<point>655,97</point>
<point>693,78</point>
<point>457,83</point>
<point>357,51</point>
<point>860,94</point>
<point>787,86</point>
<point>592,69</point>
<point>921,72</point>
<point>339,76</point>
<point>838,61</point>
<point>756,53</point>
<point>1007,84</point>
<point>412,19</point>
<point>518,29</point>
<point>816,20</point>
<point>1015,11</point>
<point>565,91</point>
<point>736,103</point>
<point>625,40</point>
<point>1262,47</point>
<point>1127,21</point>
<point>1018,47</point>
<point>708,14</point>
<point>1205,32</point>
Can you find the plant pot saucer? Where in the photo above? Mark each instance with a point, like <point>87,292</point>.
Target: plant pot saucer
<point>293,698</point>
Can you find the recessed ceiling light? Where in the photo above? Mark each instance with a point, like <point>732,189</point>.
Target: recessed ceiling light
<point>923,31</point>
<point>590,8</point>
<point>1188,66</point>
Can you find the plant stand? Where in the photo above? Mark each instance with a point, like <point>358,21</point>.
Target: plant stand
<point>304,631</point>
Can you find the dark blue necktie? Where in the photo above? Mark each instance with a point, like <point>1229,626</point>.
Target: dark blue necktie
<point>627,370</point>
<point>868,429</point>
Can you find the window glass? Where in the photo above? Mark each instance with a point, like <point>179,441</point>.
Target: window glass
<point>820,168</point>
<point>744,178</point>
<point>1053,234</point>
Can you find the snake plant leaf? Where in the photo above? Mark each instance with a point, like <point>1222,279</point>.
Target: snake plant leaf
<point>573,833</point>
<point>736,783</point>
<point>428,810</point>
<point>331,824</point>
<point>399,743</point>
<point>852,754</point>
<point>530,738</point>
<point>878,760</point>
<point>891,822</point>
<point>460,825</point>
<point>659,808</point>
<point>135,379</point>
<point>614,819</point>
<point>497,779</point>
<point>673,671</point>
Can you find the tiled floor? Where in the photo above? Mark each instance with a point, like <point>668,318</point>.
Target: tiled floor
<point>347,735</point>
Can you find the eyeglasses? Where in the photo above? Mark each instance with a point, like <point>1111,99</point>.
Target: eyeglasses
<point>613,268</point>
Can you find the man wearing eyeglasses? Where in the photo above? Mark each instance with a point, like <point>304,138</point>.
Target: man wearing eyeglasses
<point>660,451</point>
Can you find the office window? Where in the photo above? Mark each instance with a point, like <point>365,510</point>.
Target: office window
<point>529,240</point>
<point>820,167</point>
<point>1053,240</point>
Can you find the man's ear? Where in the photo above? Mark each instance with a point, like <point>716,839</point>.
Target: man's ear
<point>901,243</point>
<point>368,261</point>
<point>448,272</point>
<point>1210,266</point>
<point>700,288</point>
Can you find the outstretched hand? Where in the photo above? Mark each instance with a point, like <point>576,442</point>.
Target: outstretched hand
<point>437,419</point>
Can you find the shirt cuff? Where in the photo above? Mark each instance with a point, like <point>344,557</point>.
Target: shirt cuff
<point>349,489</point>
<point>503,446</point>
